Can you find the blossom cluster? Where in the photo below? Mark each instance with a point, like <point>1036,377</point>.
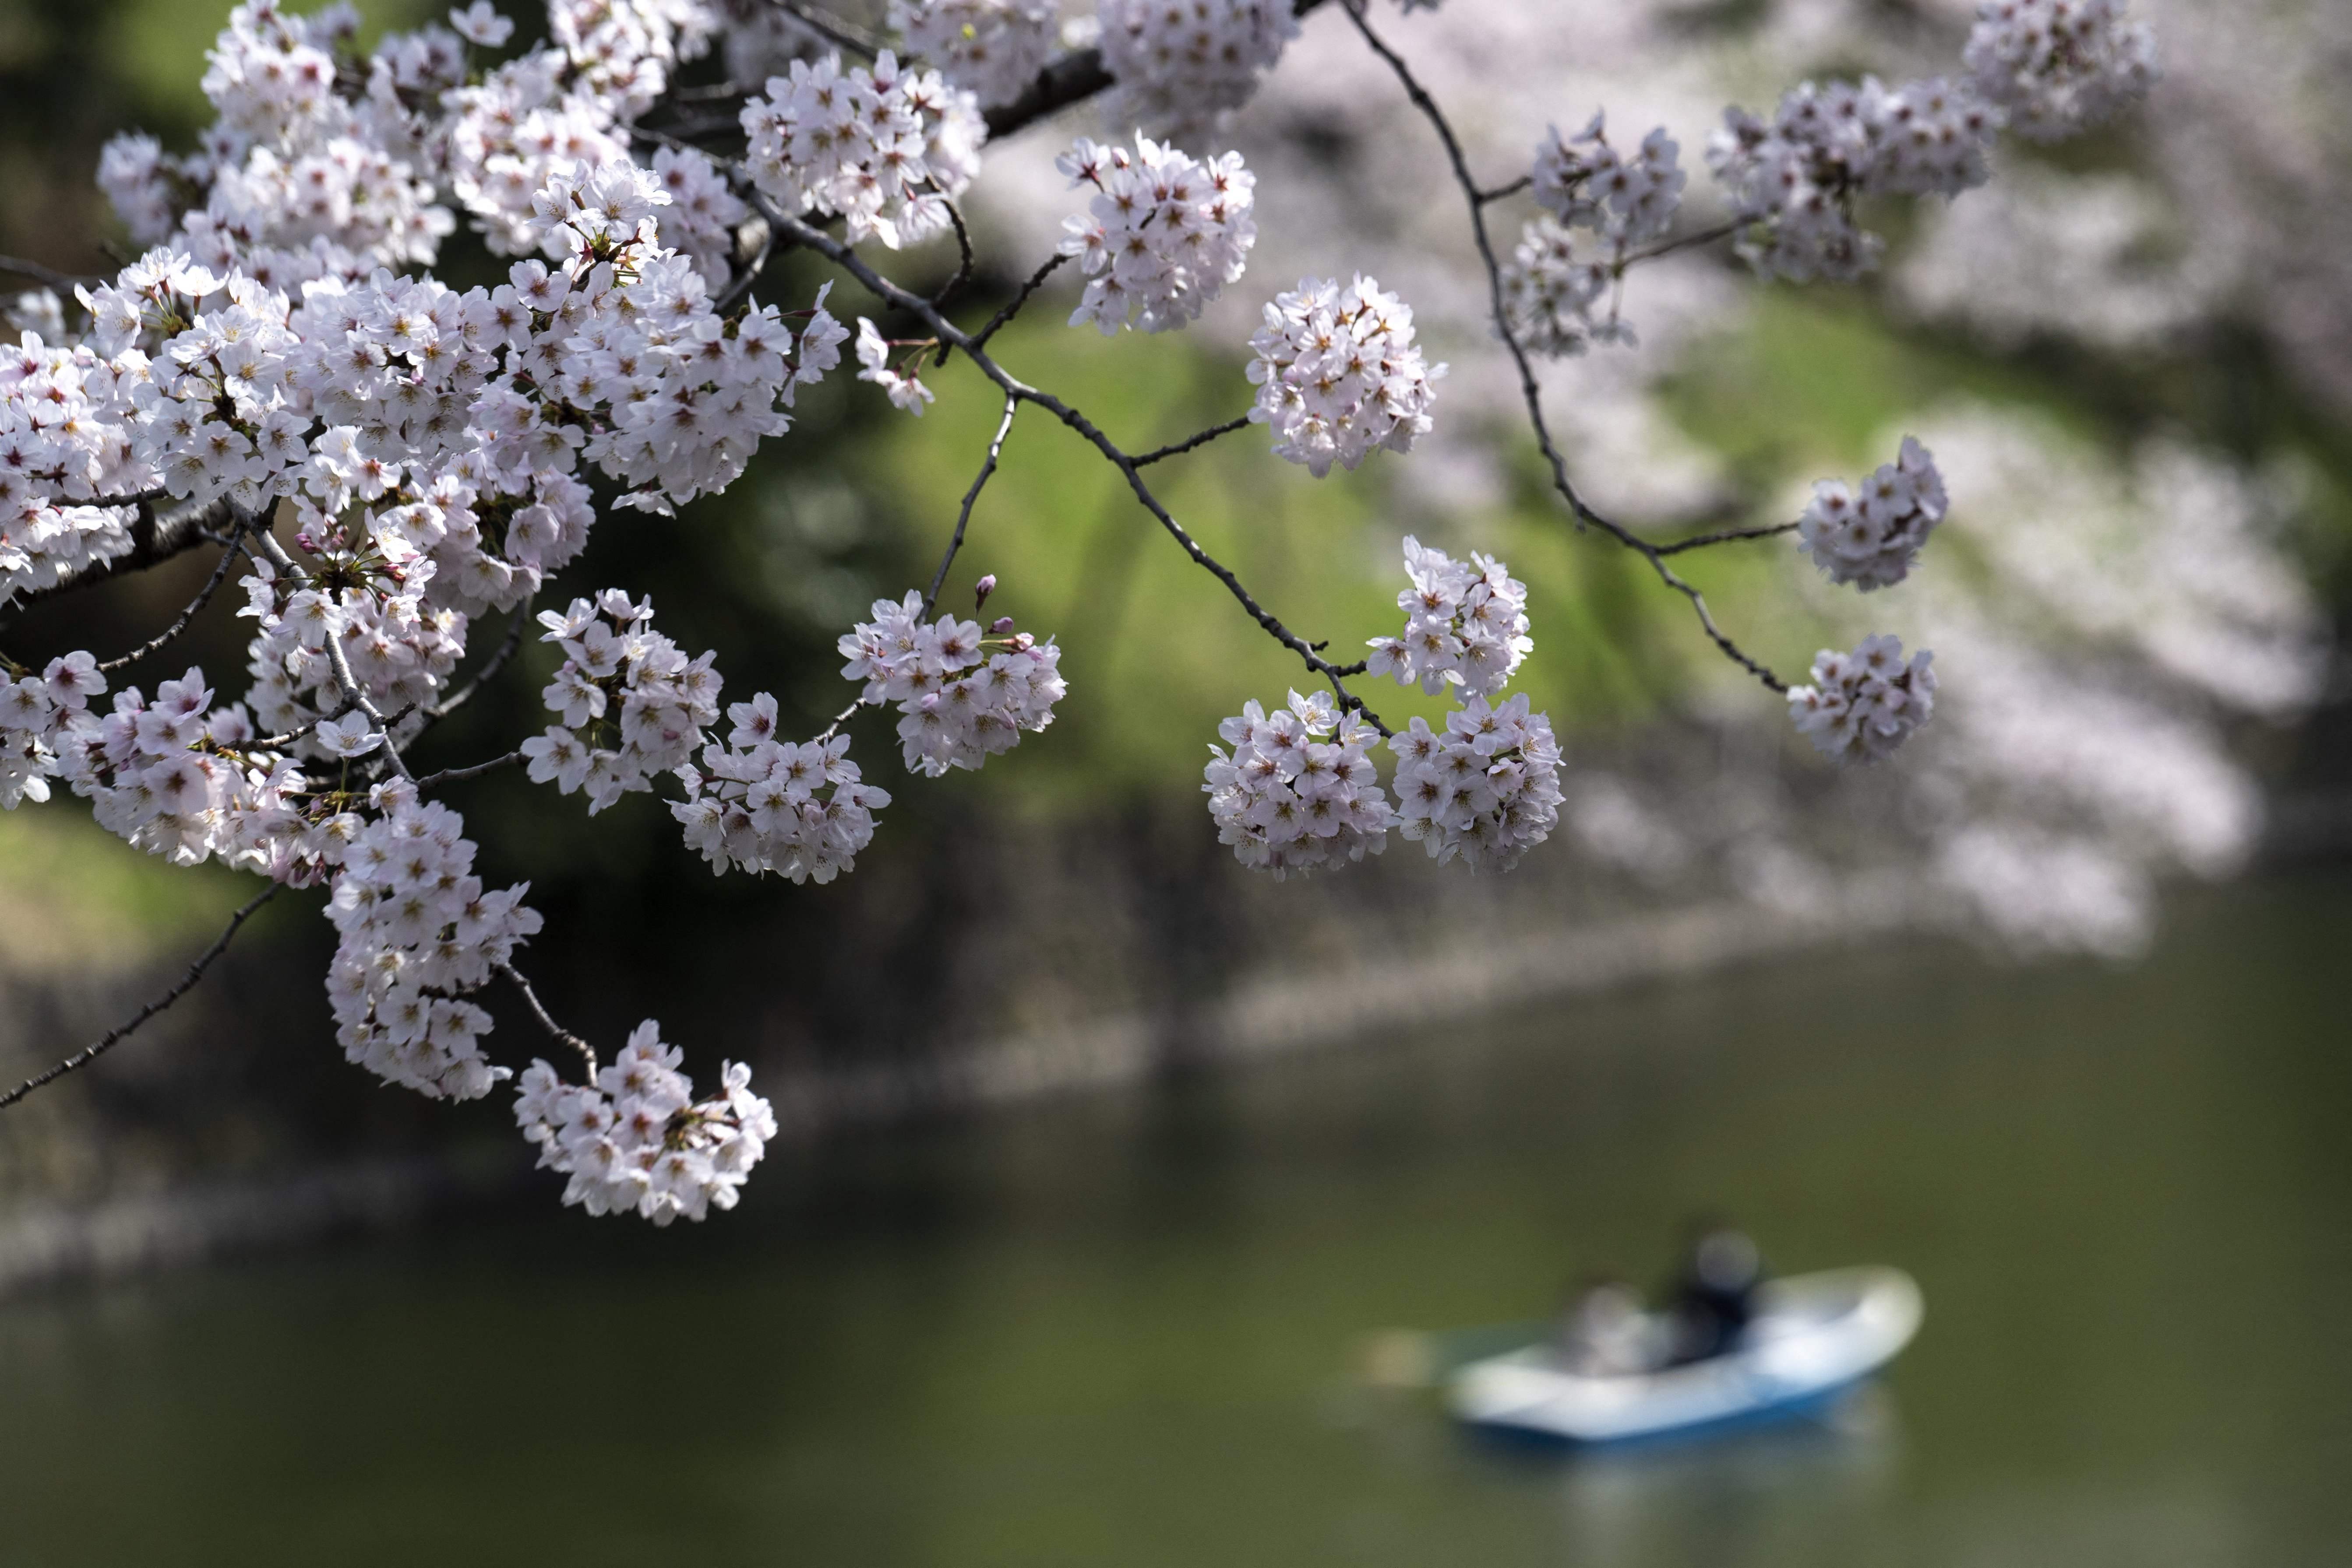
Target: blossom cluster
<point>994,48</point>
<point>760,803</point>
<point>37,713</point>
<point>632,705</point>
<point>699,222</point>
<point>1863,705</point>
<point>964,696</point>
<point>1339,374</point>
<point>62,445</point>
<point>1485,789</point>
<point>302,175</point>
<point>1163,233</point>
<point>418,931</point>
<point>1181,63</point>
<point>1794,179</point>
<point>507,135</point>
<point>151,771</point>
<point>2060,67</point>
<point>1585,183</point>
<point>1297,792</point>
<point>1465,624</point>
<point>1870,539</point>
<point>638,1141</point>
<point>886,147</point>
<point>1550,291</point>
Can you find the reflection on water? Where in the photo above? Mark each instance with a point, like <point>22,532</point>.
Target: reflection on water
<point>1120,1329</point>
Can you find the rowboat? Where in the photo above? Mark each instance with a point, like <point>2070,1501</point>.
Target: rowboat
<point>1813,1337</point>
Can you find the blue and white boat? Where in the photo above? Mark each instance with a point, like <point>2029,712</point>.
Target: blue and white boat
<point>1813,1337</point>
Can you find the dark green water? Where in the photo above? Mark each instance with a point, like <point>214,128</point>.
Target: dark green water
<point>1118,1330</point>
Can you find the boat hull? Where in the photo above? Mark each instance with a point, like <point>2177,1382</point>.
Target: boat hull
<point>1814,1337</point>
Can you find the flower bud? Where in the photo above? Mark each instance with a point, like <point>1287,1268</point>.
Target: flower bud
<point>982,589</point>
<point>1001,626</point>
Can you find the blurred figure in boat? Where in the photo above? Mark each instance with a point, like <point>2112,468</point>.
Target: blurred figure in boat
<point>1715,1300</point>
<point>1604,1332</point>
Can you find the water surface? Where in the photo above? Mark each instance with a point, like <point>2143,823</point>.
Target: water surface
<point>1120,1328</point>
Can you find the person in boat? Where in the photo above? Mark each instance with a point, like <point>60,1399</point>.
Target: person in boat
<point>1715,1300</point>
<point>1604,1332</point>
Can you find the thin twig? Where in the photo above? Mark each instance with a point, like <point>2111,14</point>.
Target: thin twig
<point>48,275</point>
<point>1725,536</point>
<point>491,667</point>
<point>1189,442</point>
<point>1012,306</point>
<point>195,606</point>
<point>1683,242</point>
<point>90,1053</point>
<point>453,775</point>
<point>1530,391</point>
<point>963,267</point>
<point>970,497</point>
<point>557,1031</point>
<point>1502,192</point>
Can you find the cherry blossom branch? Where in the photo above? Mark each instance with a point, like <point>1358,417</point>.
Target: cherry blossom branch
<point>849,260</point>
<point>1532,392</point>
<point>220,575</point>
<point>1189,442</point>
<point>1012,306</point>
<point>556,1031</point>
<point>971,497</point>
<point>91,1052</point>
<point>1725,536</point>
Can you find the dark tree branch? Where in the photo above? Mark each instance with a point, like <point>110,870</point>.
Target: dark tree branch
<point>1012,306</point>
<point>1189,442</point>
<point>92,1051</point>
<point>1725,536</point>
<point>556,1031</point>
<point>220,575</point>
<point>948,290</point>
<point>452,775</point>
